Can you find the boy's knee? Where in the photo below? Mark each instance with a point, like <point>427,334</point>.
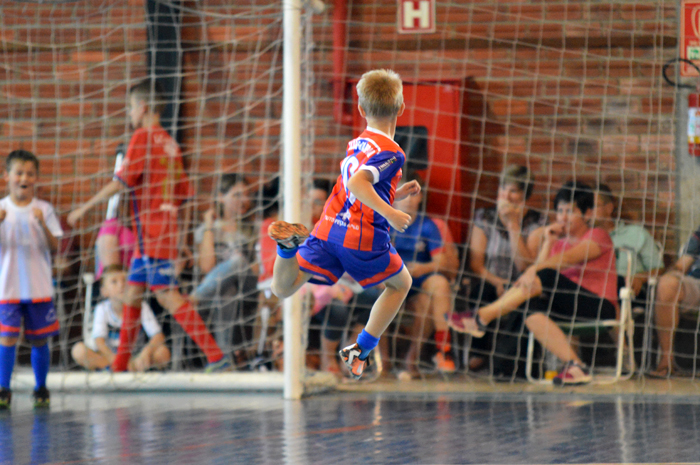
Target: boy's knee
<point>78,352</point>
<point>8,341</point>
<point>437,283</point>
<point>534,320</point>
<point>277,291</point>
<point>403,281</point>
<point>668,287</point>
<point>162,355</point>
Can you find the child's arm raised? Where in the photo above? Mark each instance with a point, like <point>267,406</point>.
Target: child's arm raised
<point>360,184</point>
<point>108,191</point>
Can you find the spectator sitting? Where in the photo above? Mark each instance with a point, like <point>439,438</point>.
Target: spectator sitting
<point>224,241</point>
<point>504,241</point>
<point>225,255</point>
<point>678,293</point>
<point>584,290</point>
<point>100,350</point>
<point>647,258</point>
<point>422,249</point>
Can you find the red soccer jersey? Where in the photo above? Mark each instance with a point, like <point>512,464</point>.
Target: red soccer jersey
<point>153,169</point>
<point>346,220</point>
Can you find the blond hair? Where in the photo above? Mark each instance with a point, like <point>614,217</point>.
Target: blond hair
<point>380,93</point>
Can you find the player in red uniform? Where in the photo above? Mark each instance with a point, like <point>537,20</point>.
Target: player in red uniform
<point>154,174</point>
<point>353,233</point>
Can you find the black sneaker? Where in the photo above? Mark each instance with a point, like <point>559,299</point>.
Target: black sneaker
<point>5,398</point>
<point>42,398</point>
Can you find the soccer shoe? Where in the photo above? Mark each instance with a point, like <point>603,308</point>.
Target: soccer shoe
<point>42,398</point>
<point>462,323</point>
<point>287,235</point>
<point>572,374</point>
<point>222,365</point>
<point>5,398</point>
<point>351,356</point>
<point>444,363</point>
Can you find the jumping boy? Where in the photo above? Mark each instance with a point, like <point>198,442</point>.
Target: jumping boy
<point>353,233</point>
<point>29,232</point>
<point>153,173</point>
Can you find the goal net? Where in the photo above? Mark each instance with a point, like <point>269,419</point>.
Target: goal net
<point>569,90</point>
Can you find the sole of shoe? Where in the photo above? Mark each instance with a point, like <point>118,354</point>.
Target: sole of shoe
<point>459,326</point>
<point>287,234</point>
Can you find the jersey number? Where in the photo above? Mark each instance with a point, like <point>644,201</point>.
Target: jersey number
<point>347,169</point>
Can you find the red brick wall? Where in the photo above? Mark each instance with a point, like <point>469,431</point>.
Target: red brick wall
<point>572,88</point>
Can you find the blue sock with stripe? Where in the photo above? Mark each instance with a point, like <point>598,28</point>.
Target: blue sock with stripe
<point>367,342</point>
<point>7,364</point>
<point>286,253</point>
<point>41,359</point>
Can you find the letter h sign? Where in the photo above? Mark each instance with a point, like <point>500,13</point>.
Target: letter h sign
<point>416,16</point>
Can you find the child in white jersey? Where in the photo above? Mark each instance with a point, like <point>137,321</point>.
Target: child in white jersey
<point>100,349</point>
<point>29,232</point>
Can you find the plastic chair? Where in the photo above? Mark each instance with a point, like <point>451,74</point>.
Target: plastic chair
<point>624,325</point>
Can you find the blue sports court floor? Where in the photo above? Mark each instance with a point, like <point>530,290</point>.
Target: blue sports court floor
<point>508,425</point>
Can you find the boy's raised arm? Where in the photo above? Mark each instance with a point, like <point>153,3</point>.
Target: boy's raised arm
<point>105,193</point>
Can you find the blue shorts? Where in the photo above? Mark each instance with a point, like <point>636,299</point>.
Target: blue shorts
<point>156,273</point>
<point>39,319</point>
<point>327,262</point>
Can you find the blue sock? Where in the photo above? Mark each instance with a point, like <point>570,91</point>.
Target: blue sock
<point>286,253</point>
<point>41,359</point>
<point>367,342</point>
<point>7,364</point>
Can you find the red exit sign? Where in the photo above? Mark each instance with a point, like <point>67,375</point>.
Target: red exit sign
<point>416,16</point>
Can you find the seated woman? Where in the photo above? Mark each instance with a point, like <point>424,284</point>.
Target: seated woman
<point>585,289</point>
<point>225,243</point>
<point>504,241</point>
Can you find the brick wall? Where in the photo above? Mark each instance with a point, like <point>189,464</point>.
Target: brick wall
<point>572,88</point>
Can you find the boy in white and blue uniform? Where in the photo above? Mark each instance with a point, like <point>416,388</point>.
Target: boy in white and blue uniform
<point>29,232</point>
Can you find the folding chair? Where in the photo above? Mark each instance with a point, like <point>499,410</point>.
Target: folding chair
<point>624,325</point>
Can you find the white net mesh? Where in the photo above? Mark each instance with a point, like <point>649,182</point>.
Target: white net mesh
<point>570,89</point>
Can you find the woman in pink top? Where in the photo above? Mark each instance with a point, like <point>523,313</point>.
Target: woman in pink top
<point>585,289</point>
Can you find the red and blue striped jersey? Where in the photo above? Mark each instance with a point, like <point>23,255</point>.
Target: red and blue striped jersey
<point>347,221</point>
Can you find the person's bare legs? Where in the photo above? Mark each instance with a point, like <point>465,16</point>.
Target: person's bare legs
<point>287,278</point>
<point>389,302</point>
<point>669,294</point>
<point>509,301</point>
<point>88,358</point>
<point>551,336</point>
